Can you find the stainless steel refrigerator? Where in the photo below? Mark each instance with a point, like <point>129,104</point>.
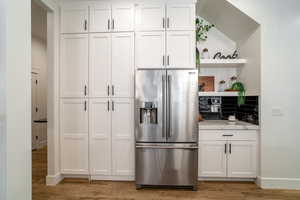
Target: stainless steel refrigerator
<point>166,127</point>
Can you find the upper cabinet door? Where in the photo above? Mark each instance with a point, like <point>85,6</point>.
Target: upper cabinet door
<point>122,17</point>
<point>150,17</point>
<point>100,18</point>
<point>100,65</point>
<point>74,18</point>
<point>180,17</point>
<point>242,158</point>
<point>74,65</point>
<point>122,65</point>
<point>181,49</point>
<point>150,49</point>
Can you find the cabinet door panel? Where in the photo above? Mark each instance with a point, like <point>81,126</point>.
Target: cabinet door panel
<point>100,65</point>
<point>181,49</point>
<point>181,16</point>
<point>212,159</point>
<point>73,65</point>
<point>242,159</point>
<point>123,17</point>
<point>150,17</point>
<point>74,19</point>
<point>74,136</point>
<point>100,18</point>
<point>100,136</point>
<point>123,137</point>
<point>150,49</point>
<point>123,64</point>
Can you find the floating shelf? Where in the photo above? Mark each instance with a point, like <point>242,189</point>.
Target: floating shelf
<point>222,62</point>
<point>217,94</point>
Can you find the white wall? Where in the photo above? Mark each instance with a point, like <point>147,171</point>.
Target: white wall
<point>15,102</point>
<point>280,110</point>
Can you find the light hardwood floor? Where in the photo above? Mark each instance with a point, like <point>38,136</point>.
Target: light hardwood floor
<point>76,189</point>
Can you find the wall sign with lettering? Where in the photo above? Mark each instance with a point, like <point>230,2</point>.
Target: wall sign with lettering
<point>220,56</point>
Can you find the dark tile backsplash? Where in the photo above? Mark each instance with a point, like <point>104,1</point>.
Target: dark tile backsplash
<point>229,106</point>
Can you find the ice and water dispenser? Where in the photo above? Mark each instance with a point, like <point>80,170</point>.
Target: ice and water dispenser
<point>148,113</point>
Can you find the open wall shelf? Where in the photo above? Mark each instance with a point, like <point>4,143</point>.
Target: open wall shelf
<point>217,94</point>
<point>222,62</point>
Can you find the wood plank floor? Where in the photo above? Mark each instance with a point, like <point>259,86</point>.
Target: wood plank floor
<point>76,189</point>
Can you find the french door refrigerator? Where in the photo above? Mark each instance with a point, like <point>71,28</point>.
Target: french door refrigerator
<point>166,127</point>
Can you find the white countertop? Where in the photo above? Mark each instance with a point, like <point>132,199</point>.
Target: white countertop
<point>224,125</point>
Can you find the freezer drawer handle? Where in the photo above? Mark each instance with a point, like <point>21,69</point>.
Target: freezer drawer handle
<point>161,147</point>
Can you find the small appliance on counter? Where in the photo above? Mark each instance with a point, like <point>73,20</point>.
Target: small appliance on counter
<point>210,107</point>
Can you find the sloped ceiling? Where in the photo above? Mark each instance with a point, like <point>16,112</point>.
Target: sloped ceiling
<point>227,18</point>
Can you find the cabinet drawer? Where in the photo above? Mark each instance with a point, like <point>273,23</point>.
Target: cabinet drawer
<point>212,135</point>
<point>243,135</point>
<point>221,135</point>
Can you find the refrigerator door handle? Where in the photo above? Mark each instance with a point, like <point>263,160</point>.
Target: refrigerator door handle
<point>163,105</point>
<point>169,96</point>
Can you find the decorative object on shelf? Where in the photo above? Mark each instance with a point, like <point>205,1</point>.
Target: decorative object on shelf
<point>239,87</point>
<point>201,35</point>
<point>220,56</point>
<point>222,86</point>
<point>232,80</point>
<point>206,83</point>
<point>205,54</point>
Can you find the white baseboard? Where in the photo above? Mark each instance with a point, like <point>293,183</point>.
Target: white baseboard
<point>280,183</point>
<point>225,179</point>
<point>54,180</point>
<point>112,178</point>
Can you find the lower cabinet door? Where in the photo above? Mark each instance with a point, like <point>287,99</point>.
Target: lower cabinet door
<point>212,159</point>
<point>122,137</point>
<point>100,136</point>
<point>74,136</point>
<point>242,156</point>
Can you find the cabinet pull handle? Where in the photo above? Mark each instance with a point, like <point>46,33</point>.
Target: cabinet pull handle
<point>164,22</point>
<point>108,90</point>
<point>108,105</point>
<point>227,135</point>
<point>113,24</point>
<point>85,106</point>
<point>85,90</point>
<point>85,25</point>
<point>163,60</point>
<point>113,105</point>
<point>230,148</point>
<point>168,22</point>
<point>113,90</point>
<point>225,149</point>
<point>168,60</point>
<point>108,24</point>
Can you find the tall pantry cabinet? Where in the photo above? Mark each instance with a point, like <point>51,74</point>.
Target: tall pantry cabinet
<point>96,90</point>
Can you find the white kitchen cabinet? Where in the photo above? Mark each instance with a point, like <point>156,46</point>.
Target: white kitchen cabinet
<point>122,17</point>
<point>150,49</point>
<point>74,65</point>
<point>100,65</point>
<point>74,18</point>
<point>100,17</point>
<point>242,159</point>
<point>122,137</point>
<point>150,17</point>
<point>181,49</point>
<point>180,17</point>
<point>122,65</point>
<point>100,136</point>
<point>212,159</point>
<point>228,154</point>
<point>111,18</point>
<point>74,136</point>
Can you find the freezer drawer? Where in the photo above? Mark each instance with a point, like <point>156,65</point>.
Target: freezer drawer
<point>166,166</point>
